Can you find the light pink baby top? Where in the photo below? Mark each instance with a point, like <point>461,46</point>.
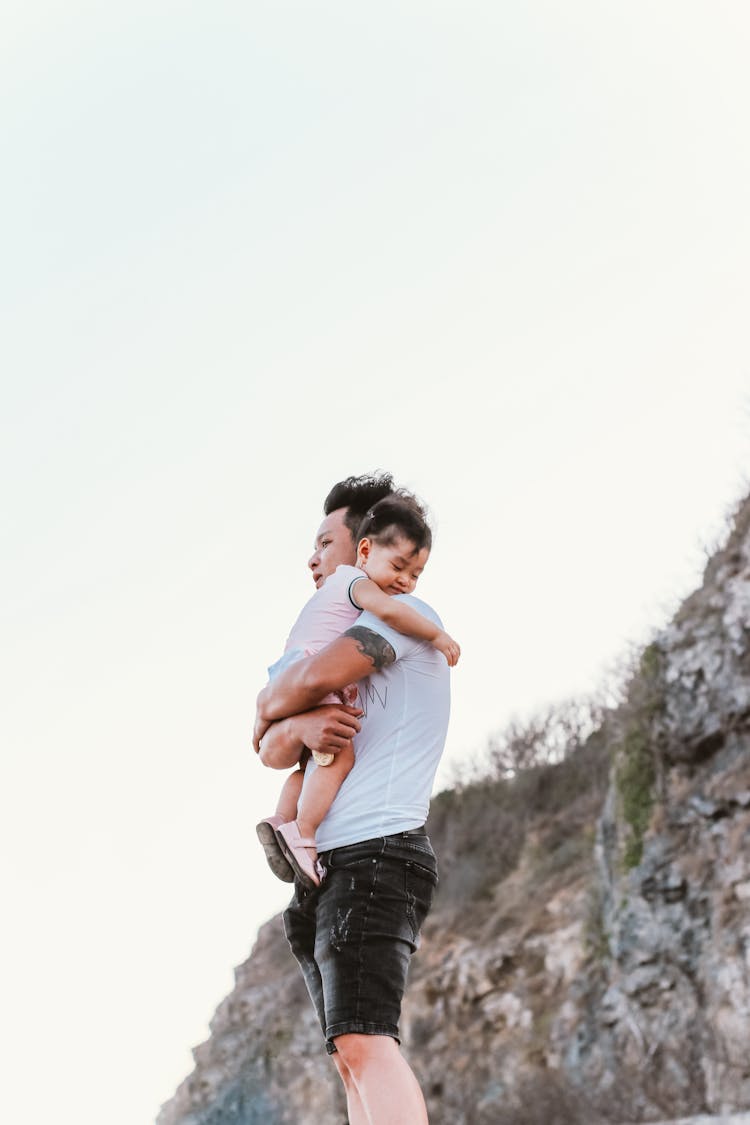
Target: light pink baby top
<point>328,614</point>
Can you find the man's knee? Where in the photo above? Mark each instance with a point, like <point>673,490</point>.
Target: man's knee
<point>356,1051</point>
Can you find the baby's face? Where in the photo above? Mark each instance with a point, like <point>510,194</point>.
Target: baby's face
<point>394,568</point>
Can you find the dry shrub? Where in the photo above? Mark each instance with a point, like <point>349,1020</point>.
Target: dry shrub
<point>546,737</point>
<point>479,829</point>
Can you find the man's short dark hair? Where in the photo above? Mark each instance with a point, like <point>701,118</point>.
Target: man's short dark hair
<point>357,495</point>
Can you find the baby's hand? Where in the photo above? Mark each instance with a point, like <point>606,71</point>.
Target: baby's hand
<point>449,648</point>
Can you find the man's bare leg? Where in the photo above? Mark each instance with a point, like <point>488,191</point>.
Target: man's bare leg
<point>387,1089</point>
<point>355,1111</point>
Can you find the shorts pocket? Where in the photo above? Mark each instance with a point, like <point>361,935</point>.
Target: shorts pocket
<point>423,870</point>
<point>420,885</point>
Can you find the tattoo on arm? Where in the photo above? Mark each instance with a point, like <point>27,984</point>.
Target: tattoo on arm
<point>379,650</point>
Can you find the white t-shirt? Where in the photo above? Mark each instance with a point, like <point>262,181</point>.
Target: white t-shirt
<point>406,708</point>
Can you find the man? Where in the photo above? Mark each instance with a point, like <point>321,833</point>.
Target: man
<point>353,935</point>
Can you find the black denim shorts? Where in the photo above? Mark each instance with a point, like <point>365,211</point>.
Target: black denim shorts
<point>354,934</point>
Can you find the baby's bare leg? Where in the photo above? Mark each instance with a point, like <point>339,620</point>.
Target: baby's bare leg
<point>321,789</point>
<point>289,796</point>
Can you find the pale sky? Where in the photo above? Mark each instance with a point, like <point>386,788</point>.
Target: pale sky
<point>248,249</point>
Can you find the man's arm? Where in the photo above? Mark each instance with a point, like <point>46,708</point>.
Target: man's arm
<point>355,654</point>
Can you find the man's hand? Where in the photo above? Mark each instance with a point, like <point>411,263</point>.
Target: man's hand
<point>329,728</point>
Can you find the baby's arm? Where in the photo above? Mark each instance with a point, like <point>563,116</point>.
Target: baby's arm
<point>404,618</point>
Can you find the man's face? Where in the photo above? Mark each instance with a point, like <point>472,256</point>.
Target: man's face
<point>333,546</point>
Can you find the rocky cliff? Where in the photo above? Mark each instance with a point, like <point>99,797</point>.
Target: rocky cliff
<point>588,957</point>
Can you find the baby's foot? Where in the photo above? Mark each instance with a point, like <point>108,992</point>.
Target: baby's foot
<point>322,757</point>
<point>277,861</point>
<point>300,853</point>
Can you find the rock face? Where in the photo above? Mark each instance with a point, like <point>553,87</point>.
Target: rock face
<point>588,957</point>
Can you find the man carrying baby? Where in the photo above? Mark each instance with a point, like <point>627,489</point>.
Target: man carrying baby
<point>354,934</point>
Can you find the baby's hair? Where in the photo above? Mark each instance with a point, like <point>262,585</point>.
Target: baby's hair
<point>357,495</point>
<point>400,514</point>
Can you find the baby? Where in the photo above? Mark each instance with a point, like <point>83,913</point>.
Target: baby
<point>393,548</point>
